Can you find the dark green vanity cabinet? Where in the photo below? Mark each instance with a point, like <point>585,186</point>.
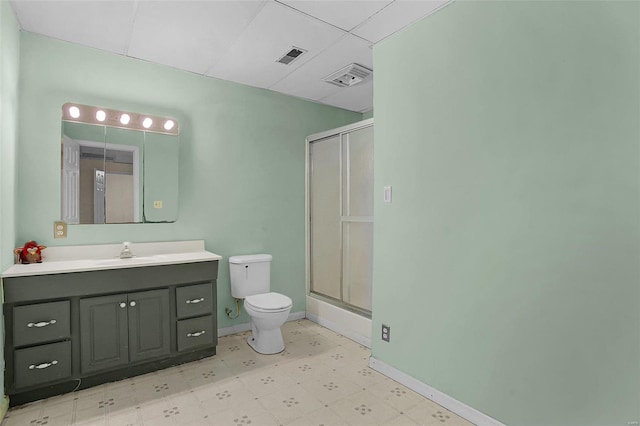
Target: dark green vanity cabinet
<point>122,328</point>
<point>75,330</point>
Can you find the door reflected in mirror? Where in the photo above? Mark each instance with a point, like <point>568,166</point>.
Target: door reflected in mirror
<point>106,169</point>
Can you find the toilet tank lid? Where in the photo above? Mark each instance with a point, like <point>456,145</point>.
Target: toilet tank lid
<point>250,258</point>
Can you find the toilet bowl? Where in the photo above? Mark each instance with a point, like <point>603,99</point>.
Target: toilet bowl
<point>250,280</point>
<point>268,312</point>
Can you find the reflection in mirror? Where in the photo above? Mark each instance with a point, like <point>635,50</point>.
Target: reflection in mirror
<point>103,171</point>
<point>161,177</point>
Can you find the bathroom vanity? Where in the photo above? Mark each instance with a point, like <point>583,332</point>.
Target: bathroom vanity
<point>73,322</point>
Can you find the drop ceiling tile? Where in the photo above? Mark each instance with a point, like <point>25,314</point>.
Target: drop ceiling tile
<point>252,59</point>
<point>190,35</point>
<point>100,24</point>
<point>396,17</point>
<point>345,14</point>
<point>357,98</point>
<point>306,81</point>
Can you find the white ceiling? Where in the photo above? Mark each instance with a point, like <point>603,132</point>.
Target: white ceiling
<point>237,40</point>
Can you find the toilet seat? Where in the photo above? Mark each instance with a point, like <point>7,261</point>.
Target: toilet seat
<point>269,302</point>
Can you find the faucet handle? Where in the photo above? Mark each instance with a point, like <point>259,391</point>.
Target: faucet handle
<point>126,250</point>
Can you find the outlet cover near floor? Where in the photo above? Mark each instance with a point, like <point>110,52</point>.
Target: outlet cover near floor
<point>386,333</point>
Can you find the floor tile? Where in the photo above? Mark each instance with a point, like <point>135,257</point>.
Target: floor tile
<point>290,404</point>
<point>331,388</point>
<point>429,413</point>
<point>250,413</point>
<point>129,417</point>
<point>321,417</point>
<point>364,409</point>
<point>396,395</point>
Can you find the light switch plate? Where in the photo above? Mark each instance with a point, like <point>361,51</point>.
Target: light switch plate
<point>59,229</point>
<point>387,194</point>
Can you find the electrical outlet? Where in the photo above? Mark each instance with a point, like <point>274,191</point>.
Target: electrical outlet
<point>157,204</point>
<point>386,333</point>
<point>59,230</point>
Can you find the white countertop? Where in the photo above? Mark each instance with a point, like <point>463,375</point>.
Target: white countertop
<point>66,259</point>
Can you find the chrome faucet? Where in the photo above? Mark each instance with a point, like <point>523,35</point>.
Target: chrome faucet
<point>126,252</point>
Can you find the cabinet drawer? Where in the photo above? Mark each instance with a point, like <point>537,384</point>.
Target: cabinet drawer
<point>194,300</point>
<point>42,364</point>
<point>39,323</point>
<point>195,332</point>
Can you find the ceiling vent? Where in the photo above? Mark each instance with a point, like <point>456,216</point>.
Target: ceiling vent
<point>291,55</point>
<point>349,75</point>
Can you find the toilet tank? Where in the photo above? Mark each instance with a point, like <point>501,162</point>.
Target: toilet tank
<point>250,274</point>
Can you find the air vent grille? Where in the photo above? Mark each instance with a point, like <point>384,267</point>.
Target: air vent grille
<point>291,55</point>
<point>349,76</point>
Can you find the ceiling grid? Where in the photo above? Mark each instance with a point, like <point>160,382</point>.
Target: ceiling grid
<point>235,40</point>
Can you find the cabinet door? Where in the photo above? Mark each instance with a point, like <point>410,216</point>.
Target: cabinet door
<point>149,330</point>
<point>103,332</point>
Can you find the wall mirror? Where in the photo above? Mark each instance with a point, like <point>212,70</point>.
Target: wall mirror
<point>118,166</point>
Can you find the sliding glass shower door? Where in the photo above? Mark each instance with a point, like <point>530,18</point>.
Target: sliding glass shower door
<point>341,217</point>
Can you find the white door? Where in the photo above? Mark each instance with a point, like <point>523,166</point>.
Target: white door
<point>99,189</point>
<point>70,180</point>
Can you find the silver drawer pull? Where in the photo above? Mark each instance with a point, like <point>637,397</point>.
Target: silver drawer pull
<point>41,323</point>
<point>43,365</point>
<point>195,300</point>
<point>196,334</point>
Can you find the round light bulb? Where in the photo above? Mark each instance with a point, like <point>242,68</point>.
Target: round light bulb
<point>101,115</point>
<point>147,123</point>
<point>125,118</point>
<point>74,112</point>
<point>168,125</point>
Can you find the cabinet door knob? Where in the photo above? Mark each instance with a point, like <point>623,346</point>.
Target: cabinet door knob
<point>195,300</point>
<point>43,365</point>
<point>41,323</point>
<point>196,333</point>
<point>133,303</point>
<point>123,305</point>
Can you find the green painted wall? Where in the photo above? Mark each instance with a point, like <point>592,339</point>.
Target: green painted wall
<point>161,176</point>
<point>242,157</point>
<point>9,67</point>
<point>507,265</point>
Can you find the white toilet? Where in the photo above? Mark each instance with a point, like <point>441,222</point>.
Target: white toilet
<point>250,280</point>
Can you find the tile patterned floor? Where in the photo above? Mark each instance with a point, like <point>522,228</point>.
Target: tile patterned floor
<point>321,378</point>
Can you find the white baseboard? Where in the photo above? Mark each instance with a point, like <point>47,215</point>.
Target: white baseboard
<point>239,328</point>
<point>461,409</point>
<point>348,324</point>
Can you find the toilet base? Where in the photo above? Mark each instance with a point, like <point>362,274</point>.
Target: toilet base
<point>269,345</point>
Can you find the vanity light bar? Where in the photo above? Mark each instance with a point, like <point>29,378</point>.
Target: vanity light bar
<point>123,119</point>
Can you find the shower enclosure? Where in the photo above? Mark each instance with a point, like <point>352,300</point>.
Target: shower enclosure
<point>340,216</point>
